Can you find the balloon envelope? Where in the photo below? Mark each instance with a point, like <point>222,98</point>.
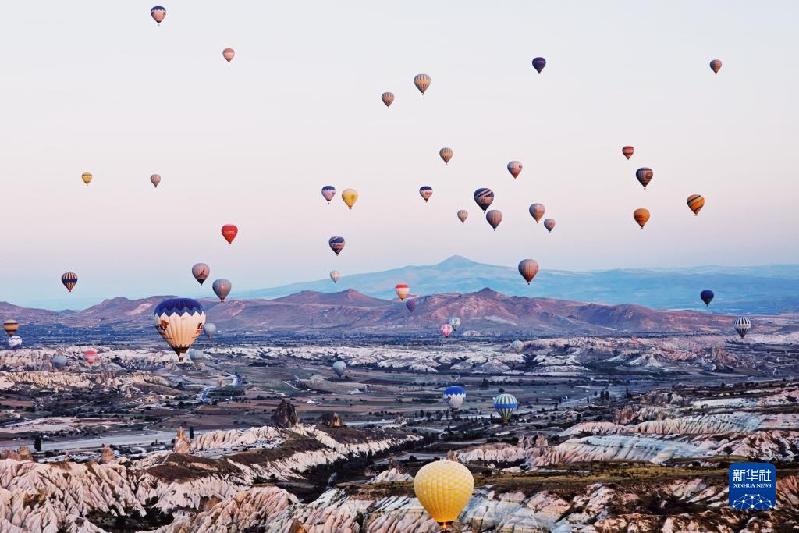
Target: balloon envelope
<point>69,280</point>
<point>87,177</point>
<point>229,232</point>
<point>517,346</point>
<point>403,290</point>
<point>200,271</point>
<point>336,243</point>
<point>446,330</point>
<point>537,211</point>
<point>641,216</point>
<point>158,13</point>
<point>515,168</point>
<point>627,151</point>
<point>455,322</point>
<point>463,215</point>
<point>446,154</point>
<point>695,203</point>
<point>715,66</point>
<point>229,54</point>
<point>549,224</point>
<point>179,321</point>
<point>454,396</point>
<point>328,192</point>
<point>59,361</point>
<point>505,404</point>
<point>222,288</point>
<point>155,179</point>
<point>425,192</point>
<point>528,268</point>
<point>410,304</point>
<point>742,326</point>
<point>422,82</point>
<point>210,329</point>
<point>644,176</point>
<point>443,488</point>
<point>350,196</point>
<point>340,368</point>
<point>388,98</point>
<point>335,276</point>
<point>10,326</point>
<point>494,217</point>
<point>706,296</point>
<point>483,197</point>
<point>539,63</point>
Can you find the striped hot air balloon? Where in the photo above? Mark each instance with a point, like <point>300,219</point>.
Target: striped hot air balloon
<point>179,321</point>
<point>228,54</point>
<point>336,243</point>
<point>425,192</point>
<point>537,211</point>
<point>515,168</point>
<point>627,151</point>
<point>641,216</point>
<point>328,192</point>
<point>462,215</point>
<point>403,290</point>
<point>10,326</point>
<point>422,82</point>
<point>644,176</point>
<point>388,98</point>
<point>742,326</point>
<point>505,405</point>
<point>454,396</point>
<point>695,203</point>
<point>446,154</point>
<point>158,13</point>
<point>494,217</point>
<point>221,288</point>
<point>69,280</point>
<point>200,271</point>
<point>443,488</point>
<point>528,268</point>
<point>229,232</point>
<point>483,197</point>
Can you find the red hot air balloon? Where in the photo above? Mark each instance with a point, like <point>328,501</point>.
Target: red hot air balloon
<point>528,268</point>
<point>90,355</point>
<point>515,168</point>
<point>627,151</point>
<point>446,330</point>
<point>229,232</point>
<point>641,216</point>
<point>403,290</point>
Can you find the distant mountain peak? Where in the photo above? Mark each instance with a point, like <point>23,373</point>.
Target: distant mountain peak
<point>457,261</point>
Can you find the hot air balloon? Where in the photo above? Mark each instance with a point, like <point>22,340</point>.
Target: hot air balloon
<point>179,321</point>
<point>340,368</point>
<point>537,211</point>
<point>221,288</point>
<point>455,322</point>
<point>59,361</point>
<point>443,488</point>
<point>210,330</point>
<point>463,215</point>
<point>336,243</point>
<point>155,179</point>
<point>706,296</point>
<point>335,276</point>
<point>86,177</point>
<point>505,404</point>
<point>350,196</point>
<point>69,280</point>
<point>627,151</point>
<point>228,54</point>
<point>644,176</point>
<point>14,342</point>
<point>328,192</point>
<point>483,197</point>
<point>229,232</point>
<point>388,98</point>
<point>402,290</point>
<point>515,168</point>
<point>200,271</point>
<point>425,192</point>
<point>549,224</point>
<point>641,215</point>
<point>539,63</point>
<point>422,82</point>
<point>446,154</point>
<point>494,217</point>
<point>715,66</point>
<point>742,325</point>
<point>517,346</point>
<point>410,304</point>
<point>454,396</point>
<point>11,326</point>
<point>158,13</point>
<point>528,268</point>
<point>695,203</point>
<point>446,330</point>
<point>90,355</point>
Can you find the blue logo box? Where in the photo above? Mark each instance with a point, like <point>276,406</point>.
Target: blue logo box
<point>753,486</point>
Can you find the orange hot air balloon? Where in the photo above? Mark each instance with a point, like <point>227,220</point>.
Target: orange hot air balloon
<point>388,98</point>
<point>715,66</point>
<point>86,177</point>
<point>627,151</point>
<point>446,154</point>
<point>641,215</point>
<point>228,54</point>
<point>644,176</point>
<point>349,196</point>
<point>695,203</point>
<point>515,168</point>
<point>69,280</point>
<point>422,82</point>
<point>402,290</point>
<point>537,211</point>
<point>463,215</point>
<point>494,217</point>
<point>229,232</point>
<point>528,268</point>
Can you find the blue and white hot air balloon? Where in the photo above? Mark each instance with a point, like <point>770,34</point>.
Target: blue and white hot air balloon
<point>505,404</point>
<point>15,342</point>
<point>454,396</point>
<point>179,321</point>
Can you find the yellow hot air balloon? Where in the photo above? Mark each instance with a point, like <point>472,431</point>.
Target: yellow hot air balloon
<point>444,488</point>
<point>86,177</point>
<point>350,196</point>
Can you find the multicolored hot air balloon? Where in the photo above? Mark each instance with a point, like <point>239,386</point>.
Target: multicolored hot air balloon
<point>641,216</point>
<point>539,63</point>
<point>549,224</point>
<point>528,268</point>
<point>742,326</point>
<point>210,330</point>
<point>388,98</point>
<point>410,304</point>
<point>515,168</point>
<point>402,290</point>
<point>87,177</point>
<point>158,13</point>
<point>425,192</point>
<point>229,232</point>
<point>706,296</point>
<point>443,488</point>
<point>335,275</point>
<point>505,405</point>
<point>228,54</point>
<point>340,368</point>
<point>90,355</point>
<point>695,203</point>
<point>222,288</point>
<point>336,243</point>
<point>627,151</point>
<point>463,215</point>
<point>422,82</point>
<point>483,197</point>
<point>446,154</point>
<point>155,179</point>
<point>455,322</point>
<point>715,66</point>
<point>494,217</point>
<point>537,211</point>
<point>328,192</point>
<point>644,176</point>
<point>454,395</point>
<point>10,326</point>
<point>350,196</point>
<point>517,346</point>
<point>200,271</point>
<point>179,321</point>
<point>446,330</point>
<point>69,280</point>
